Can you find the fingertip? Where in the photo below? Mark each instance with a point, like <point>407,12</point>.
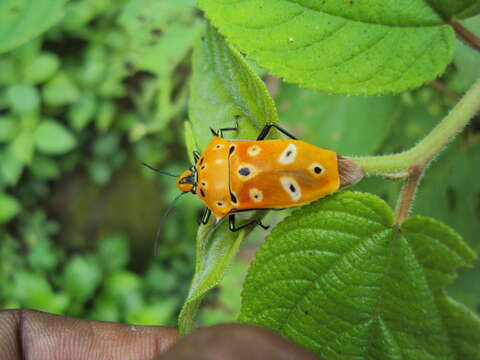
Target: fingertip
<point>235,341</point>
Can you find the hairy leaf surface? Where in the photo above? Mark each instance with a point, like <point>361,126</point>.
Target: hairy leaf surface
<point>224,90</point>
<point>352,47</point>
<point>339,278</point>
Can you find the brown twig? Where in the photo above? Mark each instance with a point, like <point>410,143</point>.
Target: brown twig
<point>444,89</point>
<point>407,194</point>
<point>466,35</point>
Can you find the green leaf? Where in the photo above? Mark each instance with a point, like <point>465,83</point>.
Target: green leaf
<point>343,47</point>
<point>146,20</point>
<point>9,72</point>
<point>82,112</point>
<point>22,20</point>
<point>223,87</point>
<point>9,207</point>
<point>114,252</point>
<point>160,32</point>
<point>42,68</point>
<point>61,90</point>
<point>339,278</point>
<point>79,13</point>
<point>53,138</point>
<point>348,125</point>
<point>23,98</point>
<point>23,146</point>
<point>33,291</point>
<point>43,255</point>
<point>216,248</point>
<point>11,167</point>
<point>153,314</point>
<point>100,171</point>
<point>81,277</point>
<point>8,128</point>
<point>105,115</point>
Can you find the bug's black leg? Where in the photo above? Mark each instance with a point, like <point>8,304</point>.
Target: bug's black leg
<point>268,126</point>
<point>205,216</point>
<point>214,133</point>
<point>196,156</point>
<point>235,128</point>
<point>233,227</point>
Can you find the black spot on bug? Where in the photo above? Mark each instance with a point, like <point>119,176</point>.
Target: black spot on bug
<point>233,197</point>
<point>202,192</point>
<point>292,188</point>
<point>203,167</point>
<point>204,183</point>
<point>218,146</point>
<point>317,169</point>
<point>244,171</point>
<point>231,150</point>
<point>219,203</point>
<point>201,161</point>
<point>255,196</point>
<point>289,152</point>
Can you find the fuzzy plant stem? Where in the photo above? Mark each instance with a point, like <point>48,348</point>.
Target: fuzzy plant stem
<point>422,153</point>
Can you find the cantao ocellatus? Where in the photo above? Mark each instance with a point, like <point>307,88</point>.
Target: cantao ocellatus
<point>233,176</point>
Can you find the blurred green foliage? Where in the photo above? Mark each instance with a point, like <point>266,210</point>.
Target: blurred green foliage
<point>78,212</point>
<point>82,104</point>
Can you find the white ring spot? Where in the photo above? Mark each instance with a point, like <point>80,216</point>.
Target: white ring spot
<point>291,186</point>
<point>316,169</point>
<point>254,150</point>
<point>204,184</point>
<point>220,203</point>
<point>218,146</point>
<point>256,195</point>
<point>288,155</point>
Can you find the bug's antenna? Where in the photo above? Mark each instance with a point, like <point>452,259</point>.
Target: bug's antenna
<point>159,171</point>
<point>162,222</point>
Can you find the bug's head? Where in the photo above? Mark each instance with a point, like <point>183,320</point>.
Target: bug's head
<point>187,181</point>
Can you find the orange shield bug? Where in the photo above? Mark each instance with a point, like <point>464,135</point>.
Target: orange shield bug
<point>233,176</point>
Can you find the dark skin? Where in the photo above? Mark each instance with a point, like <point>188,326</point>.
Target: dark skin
<point>33,335</point>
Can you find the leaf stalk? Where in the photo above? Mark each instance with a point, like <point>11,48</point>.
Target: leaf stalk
<point>468,38</point>
<point>407,195</point>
